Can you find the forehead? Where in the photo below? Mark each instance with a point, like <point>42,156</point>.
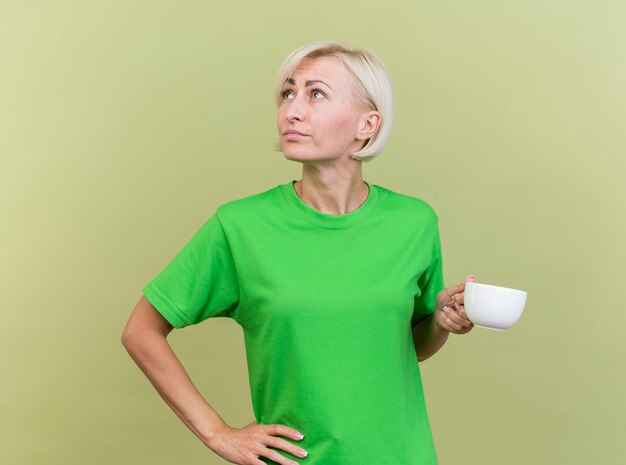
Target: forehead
<point>328,69</point>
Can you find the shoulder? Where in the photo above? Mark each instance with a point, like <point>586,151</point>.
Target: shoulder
<point>250,206</point>
<point>405,204</point>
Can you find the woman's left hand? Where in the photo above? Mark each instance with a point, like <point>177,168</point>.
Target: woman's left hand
<point>450,309</point>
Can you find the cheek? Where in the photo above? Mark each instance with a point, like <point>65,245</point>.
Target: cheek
<point>341,126</point>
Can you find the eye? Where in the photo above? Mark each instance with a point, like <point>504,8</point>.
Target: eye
<point>317,90</point>
<point>284,93</point>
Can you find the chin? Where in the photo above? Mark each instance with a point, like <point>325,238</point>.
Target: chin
<point>292,151</point>
<point>299,153</point>
<point>304,157</point>
<point>295,156</point>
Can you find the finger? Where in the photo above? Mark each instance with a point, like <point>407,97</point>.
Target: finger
<point>441,322</point>
<point>277,429</point>
<point>463,313</point>
<point>467,329</point>
<point>456,288</point>
<point>468,325</point>
<point>460,293</point>
<point>460,310</point>
<point>457,318</point>
<point>463,329</point>
<point>457,291</point>
<point>451,323</point>
<point>277,457</point>
<point>448,320</point>
<point>279,443</point>
<point>445,326</point>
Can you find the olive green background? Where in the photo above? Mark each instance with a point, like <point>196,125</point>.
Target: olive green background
<point>125,124</point>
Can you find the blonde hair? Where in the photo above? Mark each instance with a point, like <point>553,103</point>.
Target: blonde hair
<point>372,86</point>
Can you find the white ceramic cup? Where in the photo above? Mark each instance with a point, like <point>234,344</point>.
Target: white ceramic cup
<point>493,307</point>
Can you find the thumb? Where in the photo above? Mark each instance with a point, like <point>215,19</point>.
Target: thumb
<point>469,279</point>
<point>458,288</point>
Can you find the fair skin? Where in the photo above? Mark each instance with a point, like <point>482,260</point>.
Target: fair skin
<point>332,182</point>
<point>145,339</point>
<point>430,334</point>
<point>334,126</point>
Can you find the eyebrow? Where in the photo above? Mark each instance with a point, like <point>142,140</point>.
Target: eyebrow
<point>308,83</point>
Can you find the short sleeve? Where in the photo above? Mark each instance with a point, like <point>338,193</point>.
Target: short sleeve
<point>200,282</point>
<point>430,282</point>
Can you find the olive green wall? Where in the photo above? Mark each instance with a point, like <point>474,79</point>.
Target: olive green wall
<point>125,124</point>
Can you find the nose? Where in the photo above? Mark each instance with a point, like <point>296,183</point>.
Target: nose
<point>295,109</point>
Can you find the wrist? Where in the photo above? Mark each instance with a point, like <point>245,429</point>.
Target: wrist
<point>211,437</point>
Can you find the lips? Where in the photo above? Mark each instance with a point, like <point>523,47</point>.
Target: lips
<point>293,131</point>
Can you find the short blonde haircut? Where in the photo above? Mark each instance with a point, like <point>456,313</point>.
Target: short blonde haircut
<point>371,86</point>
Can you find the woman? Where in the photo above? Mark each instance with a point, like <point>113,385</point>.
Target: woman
<point>336,282</point>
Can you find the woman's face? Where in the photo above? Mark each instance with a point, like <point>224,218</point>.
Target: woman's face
<point>317,100</point>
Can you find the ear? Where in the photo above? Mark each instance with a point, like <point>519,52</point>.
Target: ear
<point>369,122</point>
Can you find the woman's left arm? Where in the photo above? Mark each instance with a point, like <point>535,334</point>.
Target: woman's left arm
<point>430,334</point>
<point>428,337</point>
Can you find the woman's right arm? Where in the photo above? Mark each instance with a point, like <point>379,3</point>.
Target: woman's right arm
<point>145,339</point>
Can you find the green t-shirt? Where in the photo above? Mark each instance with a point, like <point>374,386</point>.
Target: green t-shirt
<point>326,304</point>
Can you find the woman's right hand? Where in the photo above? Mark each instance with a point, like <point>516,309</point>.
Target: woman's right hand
<point>243,446</point>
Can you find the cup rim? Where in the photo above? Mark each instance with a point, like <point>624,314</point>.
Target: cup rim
<point>494,286</point>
